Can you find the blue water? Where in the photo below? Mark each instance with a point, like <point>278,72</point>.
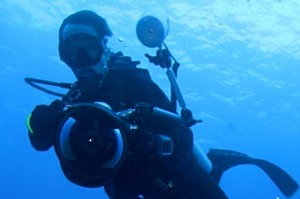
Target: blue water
<point>239,73</point>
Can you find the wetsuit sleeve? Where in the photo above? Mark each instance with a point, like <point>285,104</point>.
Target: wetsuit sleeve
<point>42,123</point>
<point>140,88</point>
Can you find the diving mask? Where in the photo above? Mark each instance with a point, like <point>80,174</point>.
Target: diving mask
<point>81,50</point>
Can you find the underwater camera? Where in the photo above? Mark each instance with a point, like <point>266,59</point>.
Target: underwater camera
<point>91,143</point>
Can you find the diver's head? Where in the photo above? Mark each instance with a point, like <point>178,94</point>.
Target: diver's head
<point>82,43</point>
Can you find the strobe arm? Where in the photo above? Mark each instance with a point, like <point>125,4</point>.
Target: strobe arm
<point>164,59</point>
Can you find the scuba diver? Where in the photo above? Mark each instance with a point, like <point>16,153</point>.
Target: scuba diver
<point>115,80</point>
<point>116,128</point>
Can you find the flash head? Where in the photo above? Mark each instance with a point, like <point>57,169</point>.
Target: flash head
<point>152,28</point>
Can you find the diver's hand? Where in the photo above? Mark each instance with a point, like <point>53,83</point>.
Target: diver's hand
<point>162,58</point>
<point>118,60</point>
<point>45,118</point>
<point>42,124</point>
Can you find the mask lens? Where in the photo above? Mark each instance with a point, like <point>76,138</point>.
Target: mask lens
<point>80,50</point>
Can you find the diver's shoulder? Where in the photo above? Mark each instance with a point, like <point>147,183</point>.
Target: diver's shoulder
<point>134,71</point>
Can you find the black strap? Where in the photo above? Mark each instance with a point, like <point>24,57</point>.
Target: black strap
<point>35,83</point>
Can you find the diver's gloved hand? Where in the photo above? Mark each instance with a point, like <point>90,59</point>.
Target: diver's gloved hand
<point>162,58</point>
<point>118,60</point>
<point>42,124</point>
<point>44,117</point>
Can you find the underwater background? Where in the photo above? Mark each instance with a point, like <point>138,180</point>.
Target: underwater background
<point>239,73</point>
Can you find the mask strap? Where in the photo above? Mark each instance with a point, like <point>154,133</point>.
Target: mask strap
<point>107,52</point>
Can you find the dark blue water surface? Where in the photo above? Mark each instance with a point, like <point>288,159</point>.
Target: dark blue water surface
<point>239,73</point>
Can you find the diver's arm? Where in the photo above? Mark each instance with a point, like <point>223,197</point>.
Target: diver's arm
<point>42,123</point>
<point>141,88</point>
